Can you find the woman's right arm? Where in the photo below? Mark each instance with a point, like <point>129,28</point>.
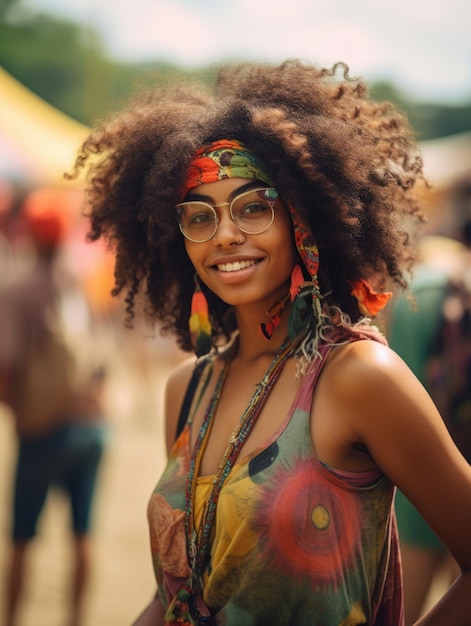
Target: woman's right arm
<point>174,394</point>
<point>153,614</point>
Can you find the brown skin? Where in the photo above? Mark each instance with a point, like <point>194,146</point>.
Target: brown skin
<point>153,614</point>
<point>392,416</point>
<point>368,411</point>
<point>420,566</point>
<point>350,166</point>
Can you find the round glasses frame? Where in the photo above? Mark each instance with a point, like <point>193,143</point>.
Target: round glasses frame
<point>268,194</point>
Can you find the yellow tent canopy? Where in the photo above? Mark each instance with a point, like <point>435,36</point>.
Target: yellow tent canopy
<point>38,143</point>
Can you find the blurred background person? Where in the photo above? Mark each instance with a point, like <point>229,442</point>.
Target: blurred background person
<point>52,376</point>
<point>433,336</point>
<point>7,199</point>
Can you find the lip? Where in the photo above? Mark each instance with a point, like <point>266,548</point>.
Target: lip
<point>227,258</point>
<point>234,269</point>
<point>236,266</point>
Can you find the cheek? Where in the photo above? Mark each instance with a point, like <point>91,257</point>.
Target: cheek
<point>285,238</point>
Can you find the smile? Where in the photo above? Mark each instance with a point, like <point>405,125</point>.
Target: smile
<point>236,266</point>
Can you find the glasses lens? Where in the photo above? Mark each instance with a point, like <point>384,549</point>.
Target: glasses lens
<point>198,220</point>
<point>253,211</point>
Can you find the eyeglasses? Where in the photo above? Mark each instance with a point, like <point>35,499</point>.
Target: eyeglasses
<point>251,211</point>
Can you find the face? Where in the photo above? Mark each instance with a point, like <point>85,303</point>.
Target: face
<point>243,269</point>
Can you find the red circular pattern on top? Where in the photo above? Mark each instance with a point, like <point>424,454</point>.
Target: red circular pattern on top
<point>309,528</point>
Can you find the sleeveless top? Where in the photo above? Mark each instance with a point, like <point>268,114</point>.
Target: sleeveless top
<point>295,542</point>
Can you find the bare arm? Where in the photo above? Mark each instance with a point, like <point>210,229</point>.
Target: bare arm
<point>174,394</point>
<point>153,614</point>
<point>406,437</point>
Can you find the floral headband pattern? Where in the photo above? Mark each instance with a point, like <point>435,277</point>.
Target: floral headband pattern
<point>230,158</point>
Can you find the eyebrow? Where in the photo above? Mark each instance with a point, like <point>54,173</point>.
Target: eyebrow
<point>252,184</point>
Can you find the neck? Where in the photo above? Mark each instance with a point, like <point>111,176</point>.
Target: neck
<point>252,344</point>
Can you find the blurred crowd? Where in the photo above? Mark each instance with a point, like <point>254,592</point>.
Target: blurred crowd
<point>65,400</point>
<point>431,330</point>
<point>62,344</point>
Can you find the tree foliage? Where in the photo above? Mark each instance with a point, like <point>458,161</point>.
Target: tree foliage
<point>430,120</point>
<point>66,64</point>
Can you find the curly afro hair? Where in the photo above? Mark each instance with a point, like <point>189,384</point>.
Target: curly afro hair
<point>350,166</point>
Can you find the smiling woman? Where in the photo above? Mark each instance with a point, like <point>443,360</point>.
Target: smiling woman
<point>240,266</point>
<point>264,225</point>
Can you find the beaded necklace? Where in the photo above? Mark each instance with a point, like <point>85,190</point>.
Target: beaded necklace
<point>198,541</point>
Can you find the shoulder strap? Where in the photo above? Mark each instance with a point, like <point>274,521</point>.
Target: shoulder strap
<point>202,365</point>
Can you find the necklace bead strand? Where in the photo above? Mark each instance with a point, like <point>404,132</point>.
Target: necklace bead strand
<point>198,541</point>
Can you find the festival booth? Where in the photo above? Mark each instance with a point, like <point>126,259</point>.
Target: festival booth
<point>38,143</point>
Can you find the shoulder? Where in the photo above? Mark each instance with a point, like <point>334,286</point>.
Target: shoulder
<point>379,397</point>
<point>175,389</point>
<point>180,376</point>
<point>372,387</point>
<point>364,363</point>
<point>178,384</point>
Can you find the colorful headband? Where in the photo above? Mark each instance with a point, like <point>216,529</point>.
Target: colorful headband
<point>230,158</point>
<point>226,158</point>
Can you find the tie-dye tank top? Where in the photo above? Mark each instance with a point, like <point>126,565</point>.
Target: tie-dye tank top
<point>294,542</point>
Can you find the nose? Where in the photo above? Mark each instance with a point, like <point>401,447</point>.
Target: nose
<point>227,232</point>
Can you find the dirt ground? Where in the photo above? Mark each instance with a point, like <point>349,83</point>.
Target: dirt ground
<point>123,579</point>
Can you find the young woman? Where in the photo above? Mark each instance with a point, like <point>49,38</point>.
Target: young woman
<point>263,225</point>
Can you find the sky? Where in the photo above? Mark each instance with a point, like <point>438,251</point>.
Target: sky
<point>422,46</point>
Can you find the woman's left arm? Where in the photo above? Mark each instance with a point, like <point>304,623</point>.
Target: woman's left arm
<point>404,433</point>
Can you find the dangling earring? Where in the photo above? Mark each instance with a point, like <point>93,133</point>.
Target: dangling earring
<point>297,315</point>
<point>274,313</point>
<point>299,289</point>
<point>305,292</point>
<point>200,326</point>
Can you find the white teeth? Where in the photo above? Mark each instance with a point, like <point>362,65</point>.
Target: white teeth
<point>234,267</point>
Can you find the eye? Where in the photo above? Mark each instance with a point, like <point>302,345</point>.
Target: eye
<point>201,217</point>
<point>198,214</point>
<point>254,208</point>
